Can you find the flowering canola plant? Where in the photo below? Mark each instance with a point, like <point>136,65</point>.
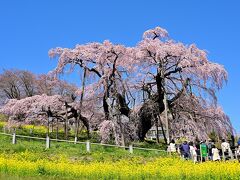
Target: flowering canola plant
<point>29,164</point>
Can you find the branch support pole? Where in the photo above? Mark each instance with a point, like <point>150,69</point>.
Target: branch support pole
<point>166,118</point>
<point>66,124</point>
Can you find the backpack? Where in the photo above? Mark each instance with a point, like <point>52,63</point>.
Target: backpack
<point>203,148</point>
<point>180,147</point>
<point>210,146</point>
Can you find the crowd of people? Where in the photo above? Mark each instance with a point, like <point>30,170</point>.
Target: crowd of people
<point>201,151</point>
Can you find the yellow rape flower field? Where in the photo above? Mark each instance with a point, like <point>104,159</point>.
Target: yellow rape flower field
<point>26,164</point>
<point>30,160</point>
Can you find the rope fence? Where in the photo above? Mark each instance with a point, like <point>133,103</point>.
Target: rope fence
<point>87,143</point>
<point>130,148</point>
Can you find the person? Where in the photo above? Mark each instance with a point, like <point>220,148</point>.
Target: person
<point>238,153</point>
<point>203,150</point>
<point>197,145</point>
<point>178,148</point>
<point>185,150</point>
<point>172,146</point>
<point>215,153</point>
<point>238,142</point>
<point>193,152</point>
<point>210,144</point>
<point>225,149</point>
<point>232,146</point>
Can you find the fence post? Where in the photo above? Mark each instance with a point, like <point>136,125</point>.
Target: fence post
<point>88,146</point>
<point>47,142</point>
<point>131,148</point>
<point>14,140</point>
<point>75,140</point>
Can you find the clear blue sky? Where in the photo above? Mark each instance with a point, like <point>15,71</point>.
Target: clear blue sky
<point>29,28</point>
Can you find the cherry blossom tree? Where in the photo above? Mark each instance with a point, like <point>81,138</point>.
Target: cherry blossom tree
<point>107,69</point>
<point>161,68</point>
<point>28,110</point>
<point>127,90</point>
<point>41,109</point>
<point>195,119</point>
<point>106,62</point>
<point>168,67</point>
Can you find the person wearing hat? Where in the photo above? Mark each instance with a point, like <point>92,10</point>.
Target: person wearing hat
<point>210,146</point>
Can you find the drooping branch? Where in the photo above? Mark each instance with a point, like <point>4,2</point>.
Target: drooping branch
<point>177,96</point>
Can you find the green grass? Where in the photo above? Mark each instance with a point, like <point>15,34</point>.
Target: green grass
<point>71,150</point>
<point>31,150</point>
<point>40,131</point>
<point>35,150</point>
<point>30,160</point>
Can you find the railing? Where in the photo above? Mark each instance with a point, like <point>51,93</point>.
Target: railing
<point>88,144</point>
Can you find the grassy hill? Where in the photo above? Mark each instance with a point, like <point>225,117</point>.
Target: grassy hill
<point>30,160</point>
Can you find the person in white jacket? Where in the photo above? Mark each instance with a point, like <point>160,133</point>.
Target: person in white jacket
<point>215,153</point>
<point>238,153</point>
<point>172,147</point>
<point>225,149</point>
<point>193,152</point>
